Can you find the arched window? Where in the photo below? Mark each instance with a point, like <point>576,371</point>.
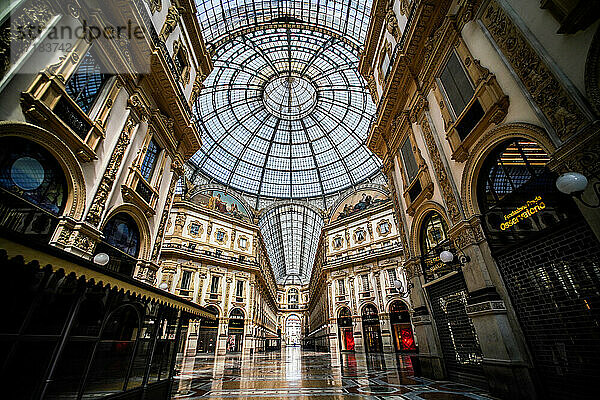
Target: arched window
<point>517,196</point>
<point>434,240</point>
<point>433,233</point>
<point>30,172</point>
<point>236,313</point>
<point>344,313</point>
<point>122,232</point>
<point>369,312</point>
<point>514,166</point>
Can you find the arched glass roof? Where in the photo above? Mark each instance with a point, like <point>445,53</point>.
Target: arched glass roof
<point>291,233</point>
<point>285,114</point>
<point>219,18</point>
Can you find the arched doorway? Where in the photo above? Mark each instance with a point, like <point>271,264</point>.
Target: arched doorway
<point>207,333</point>
<point>549,260</point>
<point>448,298</point>
<point>401,327</point>
<point>121,243</point>
<point>33,189</point>
<point>293,330</point>
<point>235,340</point>
<point>371,331</point>
<point>346,334</point>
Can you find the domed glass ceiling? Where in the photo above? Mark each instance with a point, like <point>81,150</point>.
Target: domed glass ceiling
<point>285,114</point>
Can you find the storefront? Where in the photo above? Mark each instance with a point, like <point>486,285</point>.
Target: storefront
<point>371,330</point>
<point>90,332</point>
<point>447,293</point>
<point>207,333</point>
<point>346,334</point>
<point>235,338</point>
<point>402,332</point>
<point>549,260</point>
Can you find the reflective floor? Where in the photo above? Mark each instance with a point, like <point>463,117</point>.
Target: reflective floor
<point>293,373</point>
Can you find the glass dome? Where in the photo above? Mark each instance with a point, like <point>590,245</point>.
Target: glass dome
<point>285,114</point>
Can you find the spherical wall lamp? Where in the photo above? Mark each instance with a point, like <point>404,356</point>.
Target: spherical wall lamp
<point>446,257</point>
<point>101,259</point>
<point>571,183</point>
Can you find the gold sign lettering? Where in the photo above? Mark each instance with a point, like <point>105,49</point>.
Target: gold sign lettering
<point>525,211</point>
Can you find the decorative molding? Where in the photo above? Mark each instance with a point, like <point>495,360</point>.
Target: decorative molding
<point>155,5</point>
<point>443,179</point>
<point>171,22</point>
<point>592,73</point>
<point>545,89</point>
<point>100,199</point>
<point>160,233</point>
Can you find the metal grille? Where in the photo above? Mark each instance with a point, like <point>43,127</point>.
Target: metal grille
<point>553,283</point>
<point>461,351</point>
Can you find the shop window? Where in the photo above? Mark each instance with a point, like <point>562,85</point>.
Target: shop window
<point>517,194</point>
<point>456,84</point>
<point>85,84</point>
<point>29,172</point>
<point>114,352</point>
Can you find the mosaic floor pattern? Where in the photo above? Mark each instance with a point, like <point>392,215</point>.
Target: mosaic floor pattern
<point>294,374</point>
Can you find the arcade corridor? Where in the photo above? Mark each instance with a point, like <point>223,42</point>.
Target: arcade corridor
<point>294,373</point>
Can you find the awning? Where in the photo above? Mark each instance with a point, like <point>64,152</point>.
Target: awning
<point>71,263</point>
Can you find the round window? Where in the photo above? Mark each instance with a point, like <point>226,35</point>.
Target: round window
<point>27,173</point>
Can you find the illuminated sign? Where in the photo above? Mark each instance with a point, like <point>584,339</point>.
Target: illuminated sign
<point>525,211</point>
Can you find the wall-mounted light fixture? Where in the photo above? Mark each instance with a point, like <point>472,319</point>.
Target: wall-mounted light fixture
<point>101,259</point>
<point>573,184</point>
<point>447,257</point>
<point>400,288</point>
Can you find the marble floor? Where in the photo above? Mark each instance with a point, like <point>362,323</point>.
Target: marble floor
<point>293,374</point>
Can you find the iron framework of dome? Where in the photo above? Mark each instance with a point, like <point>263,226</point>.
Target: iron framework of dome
<point>285,113</point>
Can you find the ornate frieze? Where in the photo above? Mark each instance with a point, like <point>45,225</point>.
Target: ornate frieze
<point>21,29</point>
<point>440,170</point>
<point>164,217</point>
<point>171,22</point>
<point>155,5</point>
<point>110,174</point>
<point>545,89</point>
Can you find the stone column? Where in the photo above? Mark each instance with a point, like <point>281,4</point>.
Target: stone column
<point>505,359</point>
<point>430,352</point>
<point>386,333</point>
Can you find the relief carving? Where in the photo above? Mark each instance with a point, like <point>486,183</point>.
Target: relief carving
<point>170,24</point>
<point>108,178</point>
<point>545,89</point>
<point>440,170</point>
<point>164,217</point>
